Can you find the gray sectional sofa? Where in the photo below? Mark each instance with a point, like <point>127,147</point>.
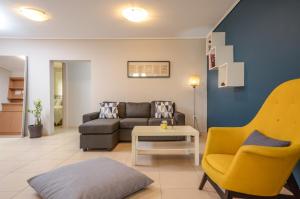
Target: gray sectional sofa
<point>98,133</point>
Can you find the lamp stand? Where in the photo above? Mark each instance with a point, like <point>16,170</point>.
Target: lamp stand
<point>195,125</point>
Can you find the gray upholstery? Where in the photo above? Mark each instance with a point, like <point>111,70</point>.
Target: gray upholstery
<point>122,109</point>
<point>179,118</point>
<point>259,139</point>
<point>99,141</point>
<point>90,116</point>
<point>129,123</point>
<point>125,135</point>
<point>100,178</point>
<point>106,133</point>
<point>99,126</point>
<point>157,121</point>
<point>138,110</point>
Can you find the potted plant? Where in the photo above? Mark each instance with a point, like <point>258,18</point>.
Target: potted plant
<point>35,130</point>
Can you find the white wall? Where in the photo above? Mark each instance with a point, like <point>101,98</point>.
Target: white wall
<point>78,91</point>
<point>109,73</point>
<point>4,82</point>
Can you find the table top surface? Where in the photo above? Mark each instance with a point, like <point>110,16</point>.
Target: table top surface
<point>158,131</point>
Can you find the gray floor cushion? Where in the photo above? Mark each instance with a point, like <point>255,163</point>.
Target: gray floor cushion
<point>100,178</point>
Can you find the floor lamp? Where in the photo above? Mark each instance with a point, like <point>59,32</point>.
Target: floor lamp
<point>194,81</point>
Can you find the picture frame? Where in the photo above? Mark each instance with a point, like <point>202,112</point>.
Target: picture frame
<point>148,69</point>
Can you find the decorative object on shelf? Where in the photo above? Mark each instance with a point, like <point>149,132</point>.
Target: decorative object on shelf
<point>164,124</point>
<point>148,69</point>
<point>35,130</point>
<point>220,57</point>
<point>194,81</point>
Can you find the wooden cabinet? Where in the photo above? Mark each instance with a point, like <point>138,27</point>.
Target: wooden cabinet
<point>11,122</point>
<point>16,89</point>
<point>11,115</point>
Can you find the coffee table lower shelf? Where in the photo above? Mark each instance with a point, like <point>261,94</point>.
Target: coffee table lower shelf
<point>156,148</point>
<point>172,147</point>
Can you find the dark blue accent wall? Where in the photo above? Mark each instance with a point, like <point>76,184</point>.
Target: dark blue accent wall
<point>266,37</point>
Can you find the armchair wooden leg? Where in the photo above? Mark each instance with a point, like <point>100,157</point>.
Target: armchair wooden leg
<point>228,195</point>
<point>292,186</point>
<point>203,181</point>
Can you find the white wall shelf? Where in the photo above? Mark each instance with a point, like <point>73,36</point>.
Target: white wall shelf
<point>220,57</point>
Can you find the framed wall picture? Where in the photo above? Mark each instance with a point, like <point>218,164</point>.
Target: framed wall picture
<point>148,69</point>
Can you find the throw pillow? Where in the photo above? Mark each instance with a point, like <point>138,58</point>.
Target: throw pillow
<point>164,109</point>
<point>101,178</point>
<point>259,139</point>
<point>108,110</point>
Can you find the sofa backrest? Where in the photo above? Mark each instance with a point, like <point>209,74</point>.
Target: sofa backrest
<point>138,110</point>
<point>122,109</point>
<point>153,107</point>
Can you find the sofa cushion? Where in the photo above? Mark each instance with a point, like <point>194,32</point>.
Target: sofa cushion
<point>100,178</point>
<point>164,109</point>
<point>129,123</point>
<point>121,108</point>
<point>157,121</point>
<point>108,110</point>
<point>100,126</point>
<point>259,139</point>
<point>153,107</point>
<point>138,110</point>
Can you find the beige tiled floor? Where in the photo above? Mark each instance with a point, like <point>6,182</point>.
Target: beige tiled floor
<point>175,176</point>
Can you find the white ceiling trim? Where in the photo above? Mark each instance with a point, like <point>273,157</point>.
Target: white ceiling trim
<point>225,15</point>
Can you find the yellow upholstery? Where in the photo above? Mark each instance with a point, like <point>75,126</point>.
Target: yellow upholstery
<point>219,162</point>
<point>257,170</point>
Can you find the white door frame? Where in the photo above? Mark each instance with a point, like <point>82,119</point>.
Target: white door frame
<point>65,119</point>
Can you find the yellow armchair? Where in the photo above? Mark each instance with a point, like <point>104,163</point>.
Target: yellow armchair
<point>257,171</point>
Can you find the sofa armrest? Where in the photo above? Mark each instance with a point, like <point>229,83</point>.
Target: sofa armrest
<point>179,118</point>
<point>90,116</point>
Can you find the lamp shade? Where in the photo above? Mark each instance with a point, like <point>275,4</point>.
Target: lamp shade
<point>194,81</point>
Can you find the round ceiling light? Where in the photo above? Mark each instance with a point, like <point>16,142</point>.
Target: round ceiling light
<point>135,14</point>
<point>34,14</point>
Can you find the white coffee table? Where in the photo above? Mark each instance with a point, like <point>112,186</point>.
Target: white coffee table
<point>187,146</point>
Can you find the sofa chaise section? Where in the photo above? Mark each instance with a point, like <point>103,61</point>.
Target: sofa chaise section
<point>99,133</point>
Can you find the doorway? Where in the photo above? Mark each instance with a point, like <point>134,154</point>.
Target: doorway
<point>58,94</point>
<point>70,93</point>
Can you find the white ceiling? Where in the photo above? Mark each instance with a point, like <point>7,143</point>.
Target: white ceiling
<point>89,19</point>
<point>14,64</point>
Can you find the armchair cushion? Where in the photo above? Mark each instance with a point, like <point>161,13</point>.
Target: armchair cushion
<point>220,162</point>
<point>259,139</point>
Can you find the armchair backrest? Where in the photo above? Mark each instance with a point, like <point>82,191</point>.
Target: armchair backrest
<point>279,117</point>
